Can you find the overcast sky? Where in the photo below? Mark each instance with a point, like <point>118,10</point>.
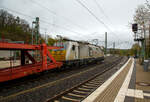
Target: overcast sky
<point>70,19</point>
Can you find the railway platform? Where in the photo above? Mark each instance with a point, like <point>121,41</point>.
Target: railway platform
<point>129,84</point>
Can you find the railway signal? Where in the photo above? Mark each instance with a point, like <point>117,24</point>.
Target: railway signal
<point>135,27</point>
<point>105,43</point>
<point>139,39</point>
<point>35,31</point>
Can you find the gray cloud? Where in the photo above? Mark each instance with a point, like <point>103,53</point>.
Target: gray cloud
<point>1,2</point>
<point>74,17</point>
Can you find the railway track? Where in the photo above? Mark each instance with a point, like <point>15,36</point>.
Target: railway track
<point>80,91</point>
<point>65,82</point>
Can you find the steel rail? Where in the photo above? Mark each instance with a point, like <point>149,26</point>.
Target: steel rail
<point>82,83</point>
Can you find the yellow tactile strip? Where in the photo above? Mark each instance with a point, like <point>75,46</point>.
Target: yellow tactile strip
<point>112,90</point>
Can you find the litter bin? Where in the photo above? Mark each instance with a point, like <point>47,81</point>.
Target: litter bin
<point>146,62</point>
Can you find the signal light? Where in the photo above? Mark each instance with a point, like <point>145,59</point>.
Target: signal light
<point>135,27</point>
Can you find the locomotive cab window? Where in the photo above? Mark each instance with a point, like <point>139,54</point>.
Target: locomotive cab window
<point>73,47</point>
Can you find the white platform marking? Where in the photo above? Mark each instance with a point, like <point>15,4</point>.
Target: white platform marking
<point>136,93</point>
<point>92,97</point>
<point>130,92</point>
<point>146,94</point>
<point>124,88</point>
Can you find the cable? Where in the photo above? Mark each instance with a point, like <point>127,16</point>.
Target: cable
<point>67,29</point>
<point>52,12</point>
<point>122,44</point>
<point>60,27</point>
<point>17,12</point>
<point>101,22</point>
<point>101,9</point>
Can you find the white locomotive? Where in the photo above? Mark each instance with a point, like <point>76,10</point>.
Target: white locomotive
<point>77,52</point>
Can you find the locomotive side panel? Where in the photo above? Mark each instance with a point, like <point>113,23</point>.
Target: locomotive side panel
<point>84,51</point>
<point>60,54</point>
<point>95,52</point>
<point>72,51</point>
<point>91,51</point>
<point>100,52</point>
<point>77,52</point>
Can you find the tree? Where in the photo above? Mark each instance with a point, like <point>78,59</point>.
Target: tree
<point>142,18</point>
<point>135,50</point>
<point>14,28</point>
<point>51,41</point>
<point>141,15</point>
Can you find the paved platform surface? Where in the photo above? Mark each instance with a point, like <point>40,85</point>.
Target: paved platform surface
<point>6,64</point>
<point>144,78</point>
<point>123,85</point>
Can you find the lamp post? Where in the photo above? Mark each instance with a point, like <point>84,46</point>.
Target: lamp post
<point>35,31</point>
<point>45,36</point>
<point>32,33</point>
<point>105,43</point>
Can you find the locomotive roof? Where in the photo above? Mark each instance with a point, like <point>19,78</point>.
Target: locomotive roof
<point>84,42</point>
<point>81,42</point>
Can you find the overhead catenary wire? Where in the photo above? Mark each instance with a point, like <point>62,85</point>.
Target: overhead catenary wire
<point>120,44</point>
<point>21,14</point>
<point>67,29</point>
<point>100,21</point>
<point>101,9</point>
<point>125,44</point>
<point>31,17</point>
<point>62,17</point>
<point>61,27</point>
<point>50,24</point>
<point>17,12</point>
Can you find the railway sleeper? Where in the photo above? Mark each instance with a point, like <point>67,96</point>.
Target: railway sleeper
<point>80,88</point>
<point>97,81</point>
<point>71,98</point>
<point>86,86</point>
<point>76,95</point>
<point>92,84</point>
<point>81,92</point>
